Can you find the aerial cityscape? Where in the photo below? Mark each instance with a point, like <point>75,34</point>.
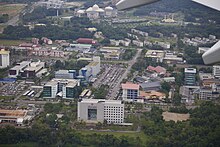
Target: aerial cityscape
<point>103,73</point>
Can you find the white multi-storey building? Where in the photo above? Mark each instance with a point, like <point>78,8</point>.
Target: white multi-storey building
<point>99,110</point>
<point>130,91</point>
<point>4,58</point>
<point>216,71</point>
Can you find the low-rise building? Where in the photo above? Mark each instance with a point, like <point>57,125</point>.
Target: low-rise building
<point>86,41</point>
<point>100,110</point>
<point>169,79</point>
<point>48,53</point>
<point>111,53</point>
<point>138,43</point>
<point>156,54</point>
<point>18,69</point>
<point>159,70</point>
<point>65,74</point>
<point>27,69</point>
<point>16,117</point>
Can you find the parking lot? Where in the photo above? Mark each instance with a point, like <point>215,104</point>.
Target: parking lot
<point>110,76</point>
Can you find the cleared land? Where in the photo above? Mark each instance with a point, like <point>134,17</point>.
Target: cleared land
<point>168,116</point>
<point>11,9</point>
<point>11,42</point>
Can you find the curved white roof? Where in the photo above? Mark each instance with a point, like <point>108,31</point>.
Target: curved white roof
<point>108,8</point>
<point>94,8</point>
<point>89,9</point>
<point>80,11</point>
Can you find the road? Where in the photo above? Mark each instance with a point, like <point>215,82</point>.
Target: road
<point>130,63</point>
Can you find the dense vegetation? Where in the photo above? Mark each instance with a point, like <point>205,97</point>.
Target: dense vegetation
<point>193,12</point>
<point>39,14</point>
<point>129,54</point>
<point>203,129</point>
<point>191,30</point>
<point>4,18</point>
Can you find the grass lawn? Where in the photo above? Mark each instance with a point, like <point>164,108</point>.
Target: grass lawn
<point>11,9</point>
<point>28,144</point>
<point>2,27</point>
<point>7,97</point>
<point>142,136</point>
<point>11,42</point>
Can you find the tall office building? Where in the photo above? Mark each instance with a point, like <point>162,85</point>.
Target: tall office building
<point>190,76</point>
<point>65,88</point>
<point>4,58</point>
<point>98,110</point>
<point>216,71</point>
<point>130,91</point>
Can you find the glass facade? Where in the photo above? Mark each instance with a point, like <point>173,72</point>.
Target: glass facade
<point>70,92</point>
<point>132,94</point>
<point>92,114</point>
<point>47,92</point>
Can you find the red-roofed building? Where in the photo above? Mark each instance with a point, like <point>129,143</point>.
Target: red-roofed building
<point>130,91</point>
<point>159,70</point>
<point>86,41</point>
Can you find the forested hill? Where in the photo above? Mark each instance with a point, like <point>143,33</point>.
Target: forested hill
<point>191,9</point>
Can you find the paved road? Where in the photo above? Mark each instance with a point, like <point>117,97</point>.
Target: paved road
<point>115,90</point>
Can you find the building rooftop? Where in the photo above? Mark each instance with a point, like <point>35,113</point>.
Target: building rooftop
<point>150,84</point>
<point>190,70</point>
<point>152,94</point>
<point>12,113</point>
<point>4,52</point>
<point>21,65</point>
<point>101,101</point>
<point>93,64</point>
<point>51,83</point>
<point>130,86</point>
<point>62,72</point>
<point>35,66</point>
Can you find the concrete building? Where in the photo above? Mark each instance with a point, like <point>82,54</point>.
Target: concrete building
<point>138,43</point>
<point>57,4</point>
<point>205,94</point>
<point>92,69</point>
<point>4,58</point>
<point>130,91</point>
<point>65,88</point>
<point>50,89</point>
<point>205,76</point>
<point>65,74</point>
<point>13,116</point>
<point>33,69</point>
<point>48,53</point>
<point>156,54</point>
<point>216,71</point>
<point>190,76</point>
<point>27,69</point>
<point>111,53</point>
<point>99,110</point>
<point>169,79</point>
<point>18,69</point>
